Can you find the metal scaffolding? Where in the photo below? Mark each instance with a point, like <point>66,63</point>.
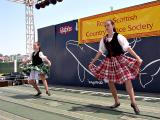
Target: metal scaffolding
<point>29,19</point>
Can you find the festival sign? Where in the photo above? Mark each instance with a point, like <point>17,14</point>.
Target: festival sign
<point>137,21</point>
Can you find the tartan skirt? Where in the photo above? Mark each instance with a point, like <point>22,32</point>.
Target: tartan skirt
<point>117,69</point>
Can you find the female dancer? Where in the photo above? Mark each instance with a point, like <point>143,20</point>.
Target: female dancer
<point>116,67</point>
<point>38,69</point>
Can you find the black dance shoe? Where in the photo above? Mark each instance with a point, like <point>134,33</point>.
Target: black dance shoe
<point>115,106</point>
<point>135,108</point>
<point>48,93</point>
<point>38,94</point>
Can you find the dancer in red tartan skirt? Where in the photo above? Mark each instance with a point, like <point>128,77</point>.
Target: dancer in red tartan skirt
<point>116,67</point>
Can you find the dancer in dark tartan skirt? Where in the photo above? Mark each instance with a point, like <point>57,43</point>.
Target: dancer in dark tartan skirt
<point>38,69</point>
<point>117,67</point>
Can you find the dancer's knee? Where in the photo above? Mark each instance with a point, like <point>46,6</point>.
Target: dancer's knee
<point>42,77</point>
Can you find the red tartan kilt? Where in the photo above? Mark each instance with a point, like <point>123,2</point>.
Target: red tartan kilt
<point>117,69</point>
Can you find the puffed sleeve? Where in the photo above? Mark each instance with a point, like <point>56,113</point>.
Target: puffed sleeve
<point>123,42</point>
<point>42,56</point>
<point>102,47</point>
<point>30,56</point>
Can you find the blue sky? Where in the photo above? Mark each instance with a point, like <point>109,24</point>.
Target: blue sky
<point>12,18</point>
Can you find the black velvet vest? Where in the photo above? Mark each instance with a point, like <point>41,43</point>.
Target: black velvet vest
<point>36,60</point>
<point>113,47</point>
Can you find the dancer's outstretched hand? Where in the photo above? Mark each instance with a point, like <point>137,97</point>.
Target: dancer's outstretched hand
<point>49,64</point>
<point>90,65</point>
<point>139,60</point>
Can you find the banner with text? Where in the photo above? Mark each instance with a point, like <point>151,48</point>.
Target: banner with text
<point>137,21</point>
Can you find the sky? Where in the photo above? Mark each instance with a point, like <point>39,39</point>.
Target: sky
<point>12,18</point>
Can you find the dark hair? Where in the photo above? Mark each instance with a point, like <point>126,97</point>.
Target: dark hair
<point>114,29</point>
<point>38,45</point>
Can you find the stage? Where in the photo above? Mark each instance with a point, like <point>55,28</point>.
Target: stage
<point>71,103</point>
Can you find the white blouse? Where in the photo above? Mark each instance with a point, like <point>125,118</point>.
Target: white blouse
<point>121,39</point>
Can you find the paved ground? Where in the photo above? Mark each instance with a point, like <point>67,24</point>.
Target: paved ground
<point>18,103</point>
